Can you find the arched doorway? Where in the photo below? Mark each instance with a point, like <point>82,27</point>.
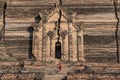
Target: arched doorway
<point>58,50</point>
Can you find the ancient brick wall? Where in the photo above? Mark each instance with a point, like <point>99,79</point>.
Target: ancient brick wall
<point>99,28</point>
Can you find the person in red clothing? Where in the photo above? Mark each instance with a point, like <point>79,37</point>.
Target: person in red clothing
<point>60,66</point>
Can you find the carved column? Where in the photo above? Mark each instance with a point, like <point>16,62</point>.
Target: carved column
<point>37,46</point>
<point>70,55</point>
<point>34,45</point>
<point>53,49</point>
<point>44,42</point>
<point>63,35</point>
<point>82,58</point>
<point>80,43</point>
<point>74,45</point>
<point>40,44</point>
<point>51,36</point>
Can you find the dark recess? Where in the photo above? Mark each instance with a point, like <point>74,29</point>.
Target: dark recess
<point>30,54</point>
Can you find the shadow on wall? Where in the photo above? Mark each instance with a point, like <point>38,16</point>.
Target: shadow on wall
<point>30,30</point>
<point>30,54</point>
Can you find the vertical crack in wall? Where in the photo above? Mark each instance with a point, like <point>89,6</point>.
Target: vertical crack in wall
<point>3,28</point>
<point>116,30</point>
<point>4,23</point>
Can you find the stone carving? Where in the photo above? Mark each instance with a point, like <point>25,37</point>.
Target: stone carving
<point>79,27</point>
<point>62,16</point>
<point>63,34</point>
<point>50,34</point>
<point>80,41</point>
<point>36,27</point>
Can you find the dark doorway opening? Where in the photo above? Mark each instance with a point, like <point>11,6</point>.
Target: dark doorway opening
<point>58,50</point>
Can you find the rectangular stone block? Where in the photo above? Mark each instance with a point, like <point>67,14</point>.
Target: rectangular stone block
<point>27,3</point>
<point>23,12</point>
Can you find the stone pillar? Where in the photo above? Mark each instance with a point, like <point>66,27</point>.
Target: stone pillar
<point>53,49</point>
<point>63,46</point>
<point>66,48</point>
<point>80,45</point>
<point>51,36</point>
<point>34,47</point>
<point>63,35</point>
<point>82,57</point>
<point>70,55</point>
<point>74,42</point>
<point>44,42</point>
<point>47,49</point>
<point>37,41</point>
<point>40,44</point>
<point>78,42</point>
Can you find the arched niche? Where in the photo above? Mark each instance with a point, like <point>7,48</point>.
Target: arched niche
<point>51,25</point>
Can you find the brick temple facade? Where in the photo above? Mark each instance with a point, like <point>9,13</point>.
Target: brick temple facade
<point>59,39</point>
<point>46,46</point>
<point>87,30</point>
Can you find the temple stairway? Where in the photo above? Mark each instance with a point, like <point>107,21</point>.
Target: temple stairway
<point>99,29</point>
<point>94,71</point>
<point>35,70</point>
<point>53,72</point>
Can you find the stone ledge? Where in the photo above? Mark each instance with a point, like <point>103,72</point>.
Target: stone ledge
<point>94,76</point>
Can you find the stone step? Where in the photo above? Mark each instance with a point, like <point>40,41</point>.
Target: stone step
<point>93,77</point>
<point>54,77</point>
<point>17,77</point>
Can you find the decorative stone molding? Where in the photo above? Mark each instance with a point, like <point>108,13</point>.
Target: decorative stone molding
<point>69,15</point>
<point>51,34</point>
<point>36,27</point>
<point>67,37</point>
<point>63,34</point>
<point>44,21</point>
<point>78,27</point>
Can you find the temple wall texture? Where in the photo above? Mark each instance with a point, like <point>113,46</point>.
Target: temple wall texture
<point>1,14</point>
<point>99,29</point>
